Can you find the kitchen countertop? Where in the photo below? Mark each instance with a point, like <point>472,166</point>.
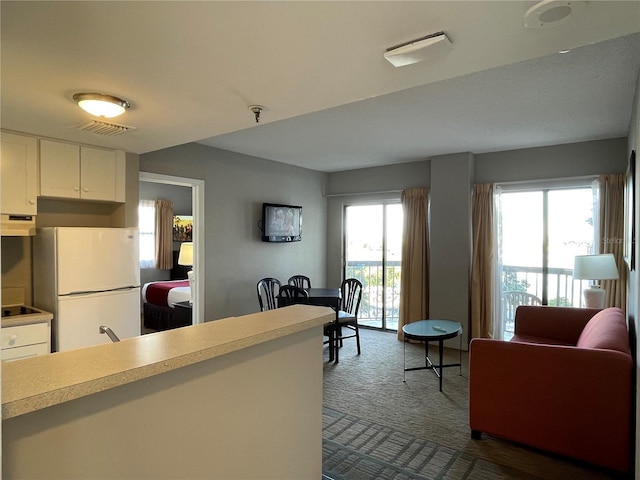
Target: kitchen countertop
<point>24,320</point>
<point>39,382</point>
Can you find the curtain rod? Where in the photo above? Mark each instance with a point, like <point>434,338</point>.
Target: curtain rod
<point>380,192</point>
<point>541,183</point>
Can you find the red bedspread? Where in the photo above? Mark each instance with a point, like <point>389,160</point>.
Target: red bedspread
<point>157,292</point>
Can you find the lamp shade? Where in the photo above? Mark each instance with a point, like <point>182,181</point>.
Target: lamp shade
<point>595,267</point>
<point>185,257</point>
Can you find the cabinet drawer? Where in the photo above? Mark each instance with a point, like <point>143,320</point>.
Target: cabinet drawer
<point>25,352</point>
<point>24,335</point>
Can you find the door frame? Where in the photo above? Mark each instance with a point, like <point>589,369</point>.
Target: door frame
<point>197,206</point>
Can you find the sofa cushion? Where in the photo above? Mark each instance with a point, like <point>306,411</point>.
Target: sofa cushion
<point>606,330</point>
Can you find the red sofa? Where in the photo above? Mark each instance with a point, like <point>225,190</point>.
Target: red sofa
<point>562,384</point>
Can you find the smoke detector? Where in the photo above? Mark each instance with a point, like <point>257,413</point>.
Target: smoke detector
<point>552,13</point>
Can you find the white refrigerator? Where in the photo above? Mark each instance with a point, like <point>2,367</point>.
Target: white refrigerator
<point>88,277</point>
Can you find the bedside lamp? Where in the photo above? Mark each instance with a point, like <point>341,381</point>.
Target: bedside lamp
<point>185,257</point>
<point>595,267</point>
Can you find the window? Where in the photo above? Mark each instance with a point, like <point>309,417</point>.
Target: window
<point>146,227</point>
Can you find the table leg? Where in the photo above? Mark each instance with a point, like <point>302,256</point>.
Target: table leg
<point>460,356</point>
<point>404,359</point>
<point>335,337</point>
<point>426,354</point>
<point>440,355</point>
<point>332,334</point>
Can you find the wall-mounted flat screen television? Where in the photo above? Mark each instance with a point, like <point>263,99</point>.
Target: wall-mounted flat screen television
<point>281,223</point>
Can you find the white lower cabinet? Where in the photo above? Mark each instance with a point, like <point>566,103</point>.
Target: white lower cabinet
<point>23,341</point>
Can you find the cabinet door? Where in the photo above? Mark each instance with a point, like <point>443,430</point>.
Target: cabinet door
<point>59,169</point>
<point>19,161</point>
<point>101,174</point>
<point>25,352</point>
<point>22,335</point>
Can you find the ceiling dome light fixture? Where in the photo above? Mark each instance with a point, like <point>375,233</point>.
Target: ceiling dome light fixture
<point>100,105</point>
<point>551,13</point>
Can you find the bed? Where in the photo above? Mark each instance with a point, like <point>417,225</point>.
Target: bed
<point>158,299</point>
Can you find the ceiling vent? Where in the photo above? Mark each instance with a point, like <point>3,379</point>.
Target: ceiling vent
<point>552,13</point>
<point>417,50</point>
<point>104,128</point>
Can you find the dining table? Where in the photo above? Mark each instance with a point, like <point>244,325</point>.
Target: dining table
<point>328,297</point>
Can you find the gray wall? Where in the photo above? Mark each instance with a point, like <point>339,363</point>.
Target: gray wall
<point>235,187</point>
<point>452,181</point>
<point>556,161</point>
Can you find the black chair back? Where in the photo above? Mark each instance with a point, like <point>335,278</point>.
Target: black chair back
<point>351,289</point>
<point>290,295</point>
<point>268,289</point>
<point>300,281</point>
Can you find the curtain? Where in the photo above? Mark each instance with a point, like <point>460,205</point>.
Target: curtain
<point>164,234</point>
<point>484,307</point>
<point>611,227</point>
<point>414,278</point>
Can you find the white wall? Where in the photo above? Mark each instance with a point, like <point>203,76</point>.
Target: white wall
<point>235,187</point>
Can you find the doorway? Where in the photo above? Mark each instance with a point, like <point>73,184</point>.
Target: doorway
<point>197,201</point>
<point>373,255</point>
<point>541,232</point>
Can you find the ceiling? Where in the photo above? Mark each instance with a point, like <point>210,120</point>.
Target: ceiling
<point>331,101</point>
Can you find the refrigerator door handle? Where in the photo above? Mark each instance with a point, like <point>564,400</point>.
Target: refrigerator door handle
<point>90,292</point>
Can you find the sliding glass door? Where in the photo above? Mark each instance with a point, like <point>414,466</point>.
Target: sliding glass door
<point>541,232</point>
<point>373,248</point>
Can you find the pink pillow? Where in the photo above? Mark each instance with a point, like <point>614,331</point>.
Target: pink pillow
<point>606,330</point>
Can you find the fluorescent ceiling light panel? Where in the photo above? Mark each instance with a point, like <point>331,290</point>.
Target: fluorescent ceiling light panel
<point>417,50</point>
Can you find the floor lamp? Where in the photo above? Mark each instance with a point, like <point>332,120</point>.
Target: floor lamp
<point>595,267</point>
<point>185,257</point>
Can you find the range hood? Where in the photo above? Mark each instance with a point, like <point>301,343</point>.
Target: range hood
<point>18,225</point>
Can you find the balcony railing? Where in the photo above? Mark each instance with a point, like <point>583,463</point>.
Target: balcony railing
<point>372,305</point>
<point>563,290</point>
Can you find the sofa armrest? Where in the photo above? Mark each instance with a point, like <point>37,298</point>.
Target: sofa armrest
<point>567,400</point>
<point>562,324</point>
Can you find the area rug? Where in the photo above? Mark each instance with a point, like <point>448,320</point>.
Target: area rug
<point>378,426</point>
<point>354,448</point>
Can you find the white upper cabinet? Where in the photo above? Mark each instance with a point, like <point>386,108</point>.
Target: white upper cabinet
<point>74,171</point>
<point>102,174</point>
<point>19,161</point>
<point>59,169</point>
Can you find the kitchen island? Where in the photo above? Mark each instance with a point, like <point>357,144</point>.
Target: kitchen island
<point>234,398</point>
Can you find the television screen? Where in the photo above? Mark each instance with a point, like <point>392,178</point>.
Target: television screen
<point>281,223</point>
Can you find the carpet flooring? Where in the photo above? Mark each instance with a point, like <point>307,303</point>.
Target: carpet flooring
<point>375,426</point>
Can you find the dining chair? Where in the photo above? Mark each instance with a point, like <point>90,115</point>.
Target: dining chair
<point>268,289</point>
<point>300,281</point>
<point>290,295</point>
<point>351,290</point>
